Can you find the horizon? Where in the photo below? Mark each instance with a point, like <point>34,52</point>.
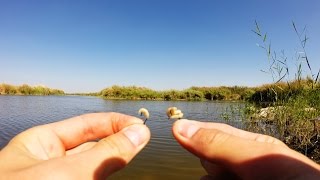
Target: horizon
<point>128,86</point>
<point>82,47</point>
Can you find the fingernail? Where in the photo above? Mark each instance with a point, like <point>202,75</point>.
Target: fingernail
<point>136,134</point>
<point>188,129</point>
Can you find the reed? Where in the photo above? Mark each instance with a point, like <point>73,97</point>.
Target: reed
<point>7,89</point>
<point>290,108</point>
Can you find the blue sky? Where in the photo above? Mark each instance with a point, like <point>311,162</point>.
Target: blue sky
<point>84,46</point>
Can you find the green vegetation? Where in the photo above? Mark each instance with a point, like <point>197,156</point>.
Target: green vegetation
<point>132,92</point>
<point>6,89</point>
<point>292,115</point>
<point>282,92</point>
<point>289,110</point>
<point>191,94</point>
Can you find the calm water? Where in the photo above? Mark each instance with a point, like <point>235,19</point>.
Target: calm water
<point>162,158</point>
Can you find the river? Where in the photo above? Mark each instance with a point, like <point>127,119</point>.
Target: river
<point>163,157</point>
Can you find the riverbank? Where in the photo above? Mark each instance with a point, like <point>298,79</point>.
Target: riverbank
<point>190,94</point>
<point>266,93</point>
<point>289,111</point>
<point>292,114</point>
<point>263,95</point>
<point>7,89</point>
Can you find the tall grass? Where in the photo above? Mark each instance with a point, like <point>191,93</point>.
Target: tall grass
<point>7,89</point>
<point>293,114</point>
<point>130,92</point>
<point>191,94</point>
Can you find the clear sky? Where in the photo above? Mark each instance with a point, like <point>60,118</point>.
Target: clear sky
<point>86,45</point>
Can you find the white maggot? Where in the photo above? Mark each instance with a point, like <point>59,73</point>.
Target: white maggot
<point>174,113</point>
<point>177,116</point>
<point>170,111</point>
<point>144,112</point>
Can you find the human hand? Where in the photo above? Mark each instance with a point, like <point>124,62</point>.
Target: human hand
<point>66,149</point>
<point>230,153</point>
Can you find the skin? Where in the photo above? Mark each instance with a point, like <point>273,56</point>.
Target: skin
<point>229,153</point>
<point>67,150</point>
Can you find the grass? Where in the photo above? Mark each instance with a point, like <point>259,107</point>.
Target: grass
<point>191,94</point>
<point>295,121</point>
<point>7,89</point>
<point>292,111</point>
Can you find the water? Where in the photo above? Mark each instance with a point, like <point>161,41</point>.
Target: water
<point>163,157</point>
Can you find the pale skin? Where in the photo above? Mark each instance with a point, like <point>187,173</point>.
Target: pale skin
<point>93,146</point>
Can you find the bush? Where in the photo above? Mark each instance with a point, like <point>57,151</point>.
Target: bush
<point>25,89</point>
<point>191,94</point>
<point>28,90</point>
<point>131,92</point>
<point>8,89</point>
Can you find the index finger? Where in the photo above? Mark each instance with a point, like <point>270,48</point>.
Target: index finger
<point>77,130</point>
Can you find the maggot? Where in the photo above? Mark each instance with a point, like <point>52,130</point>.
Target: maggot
<point>174,113</point>
<point>144,112</point>
<point>170,111</point>
<point>177,116</point>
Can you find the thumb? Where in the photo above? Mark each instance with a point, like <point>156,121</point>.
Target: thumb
<point>113,152</point>
<point>220,147</point>
<point>240,152</point>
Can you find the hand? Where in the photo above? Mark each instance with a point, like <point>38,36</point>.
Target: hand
<point>229,153</point>
<point>67,150</point>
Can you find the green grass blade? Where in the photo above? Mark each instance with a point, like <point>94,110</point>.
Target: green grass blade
<point>256,33</point>
<point>317,78</point>
<point>265,37</point>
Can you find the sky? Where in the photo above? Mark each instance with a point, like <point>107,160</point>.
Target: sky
<point>85,45</point>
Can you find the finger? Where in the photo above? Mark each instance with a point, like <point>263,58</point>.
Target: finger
<point>216,172</point>
<point>111,153</point>
<point>81,148</point>
<point>218,146</point>
<point>237,132</point>
<point>211,168</point>
<point>77,130</point>
<point>239,154</point>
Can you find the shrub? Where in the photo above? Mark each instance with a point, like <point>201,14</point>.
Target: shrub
<point>28,90</point>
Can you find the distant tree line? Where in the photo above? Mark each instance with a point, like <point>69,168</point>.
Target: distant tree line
<point>192,94</point>
<point>7,89</point>
<point>265,93</point>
